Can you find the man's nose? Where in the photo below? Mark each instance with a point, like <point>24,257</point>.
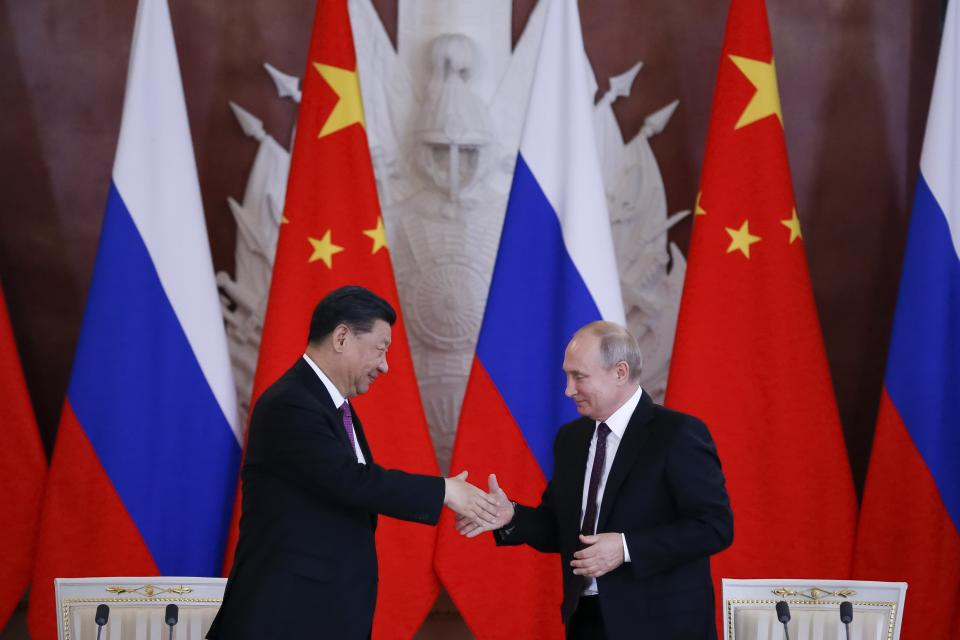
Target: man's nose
<point>569,391</point>
<point>383,365</point>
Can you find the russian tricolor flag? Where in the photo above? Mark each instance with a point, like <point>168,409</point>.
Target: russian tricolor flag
<point>145,465</point>
<point>910,519</point>
<point>555,272</point>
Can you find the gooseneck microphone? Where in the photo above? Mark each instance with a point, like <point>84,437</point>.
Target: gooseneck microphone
<point>783,615</point>
<point>101,617</point>
<point>171,616</point>
<point>846,616</point>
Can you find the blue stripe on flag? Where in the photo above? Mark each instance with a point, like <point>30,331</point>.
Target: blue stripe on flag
<point>143,401</point>
<point>537,301</point>
<point>923,367</point>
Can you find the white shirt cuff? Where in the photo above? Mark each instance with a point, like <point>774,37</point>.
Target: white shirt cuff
<point>626,551</point>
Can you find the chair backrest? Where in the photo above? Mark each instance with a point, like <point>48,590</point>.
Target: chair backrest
<point>137,607</point>
<point>749,609</point>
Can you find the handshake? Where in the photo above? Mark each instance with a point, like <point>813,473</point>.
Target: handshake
<point>477,510</point>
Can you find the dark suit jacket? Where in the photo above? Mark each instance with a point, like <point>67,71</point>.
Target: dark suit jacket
<point>306,563</point>
<point>666,492</point>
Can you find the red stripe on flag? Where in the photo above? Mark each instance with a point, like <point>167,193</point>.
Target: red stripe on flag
<point>397,433</point>
<point>24,466</point>
<point>507,592</point>
<point>84,530</point>
<point>906,534</point>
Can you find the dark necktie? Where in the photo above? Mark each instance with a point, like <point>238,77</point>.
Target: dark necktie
<point>347,417</point>
<point>588,528</point>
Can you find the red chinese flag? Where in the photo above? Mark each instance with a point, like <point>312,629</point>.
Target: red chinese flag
<point>332,235</point>
<point>24,470</point>
<point>749,357</point>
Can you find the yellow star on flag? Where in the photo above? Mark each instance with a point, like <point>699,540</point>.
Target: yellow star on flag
<point>766,101</point>
<point>324,249</point>
<point>378,235</point>
<point>349,107</point>
<point>741,239</point>
<point>794,225</point>
<point>697,209</point>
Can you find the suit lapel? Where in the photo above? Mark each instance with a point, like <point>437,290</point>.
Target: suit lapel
<point>577,459</point>
<point>316,388</point>
<point>630,446</point>
<point>367,455</point>
<point>361,438</point>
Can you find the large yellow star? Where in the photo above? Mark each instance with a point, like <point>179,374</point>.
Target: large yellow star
<point>349,107</point>
<point>794,225</point>
<point>741,239</point>
<point>324,249</point>
<point>378,235</point>
<point>697,209</point>
<point>766,101</point>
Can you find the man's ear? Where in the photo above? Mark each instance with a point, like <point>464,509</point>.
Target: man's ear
<point>623,372</point>
<point>339,337</point>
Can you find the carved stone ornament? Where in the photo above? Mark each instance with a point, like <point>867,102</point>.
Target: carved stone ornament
<point>443,119</point>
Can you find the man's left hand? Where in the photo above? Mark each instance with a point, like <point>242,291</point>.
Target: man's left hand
<point>603,554</point>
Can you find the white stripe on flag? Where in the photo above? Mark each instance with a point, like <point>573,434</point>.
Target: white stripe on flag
<point>559,147</point>
<point>939,161</point>
<point>156,175</point>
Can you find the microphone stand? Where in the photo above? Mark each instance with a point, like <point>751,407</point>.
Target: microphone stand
<point>171,617</point>
<point>846,616</point>
<point>783,615</point>
<point>103,614</point>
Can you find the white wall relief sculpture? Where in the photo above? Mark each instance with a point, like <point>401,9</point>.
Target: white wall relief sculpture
<point>444,161</point>
<point>243,297</point>
<point>443,115</point>
<point>638,214</point>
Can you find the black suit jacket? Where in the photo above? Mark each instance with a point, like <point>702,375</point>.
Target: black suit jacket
<point>306,563</point>
<point>666,493</point>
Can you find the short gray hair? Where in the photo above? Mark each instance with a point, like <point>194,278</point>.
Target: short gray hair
<point>616,345</point>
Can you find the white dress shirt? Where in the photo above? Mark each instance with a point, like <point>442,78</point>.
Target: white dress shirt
<point>617,422</point>
<point>338,401</point>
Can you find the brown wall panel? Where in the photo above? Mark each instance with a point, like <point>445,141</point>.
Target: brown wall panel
<point>855,78</point>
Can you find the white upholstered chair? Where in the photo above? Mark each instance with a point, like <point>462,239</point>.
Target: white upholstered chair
<point>749,609</point>
<point>137,607</point>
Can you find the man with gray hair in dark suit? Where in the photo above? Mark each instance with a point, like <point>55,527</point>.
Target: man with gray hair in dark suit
<point>636,507</point>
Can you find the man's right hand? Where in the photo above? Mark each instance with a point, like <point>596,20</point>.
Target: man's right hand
<point>469,502</point>
<point>503,514</point>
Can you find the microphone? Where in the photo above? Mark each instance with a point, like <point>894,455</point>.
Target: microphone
<point>846,616</point>
<point>783,615</point>
<point>171,616</point>
<point>101,617</point>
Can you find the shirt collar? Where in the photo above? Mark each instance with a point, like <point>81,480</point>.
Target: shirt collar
<point>335,394</point>
<point>619,419</point>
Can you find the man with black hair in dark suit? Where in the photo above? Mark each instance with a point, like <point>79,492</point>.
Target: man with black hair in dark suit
<point>636,506</point>
<point>306,563</point>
